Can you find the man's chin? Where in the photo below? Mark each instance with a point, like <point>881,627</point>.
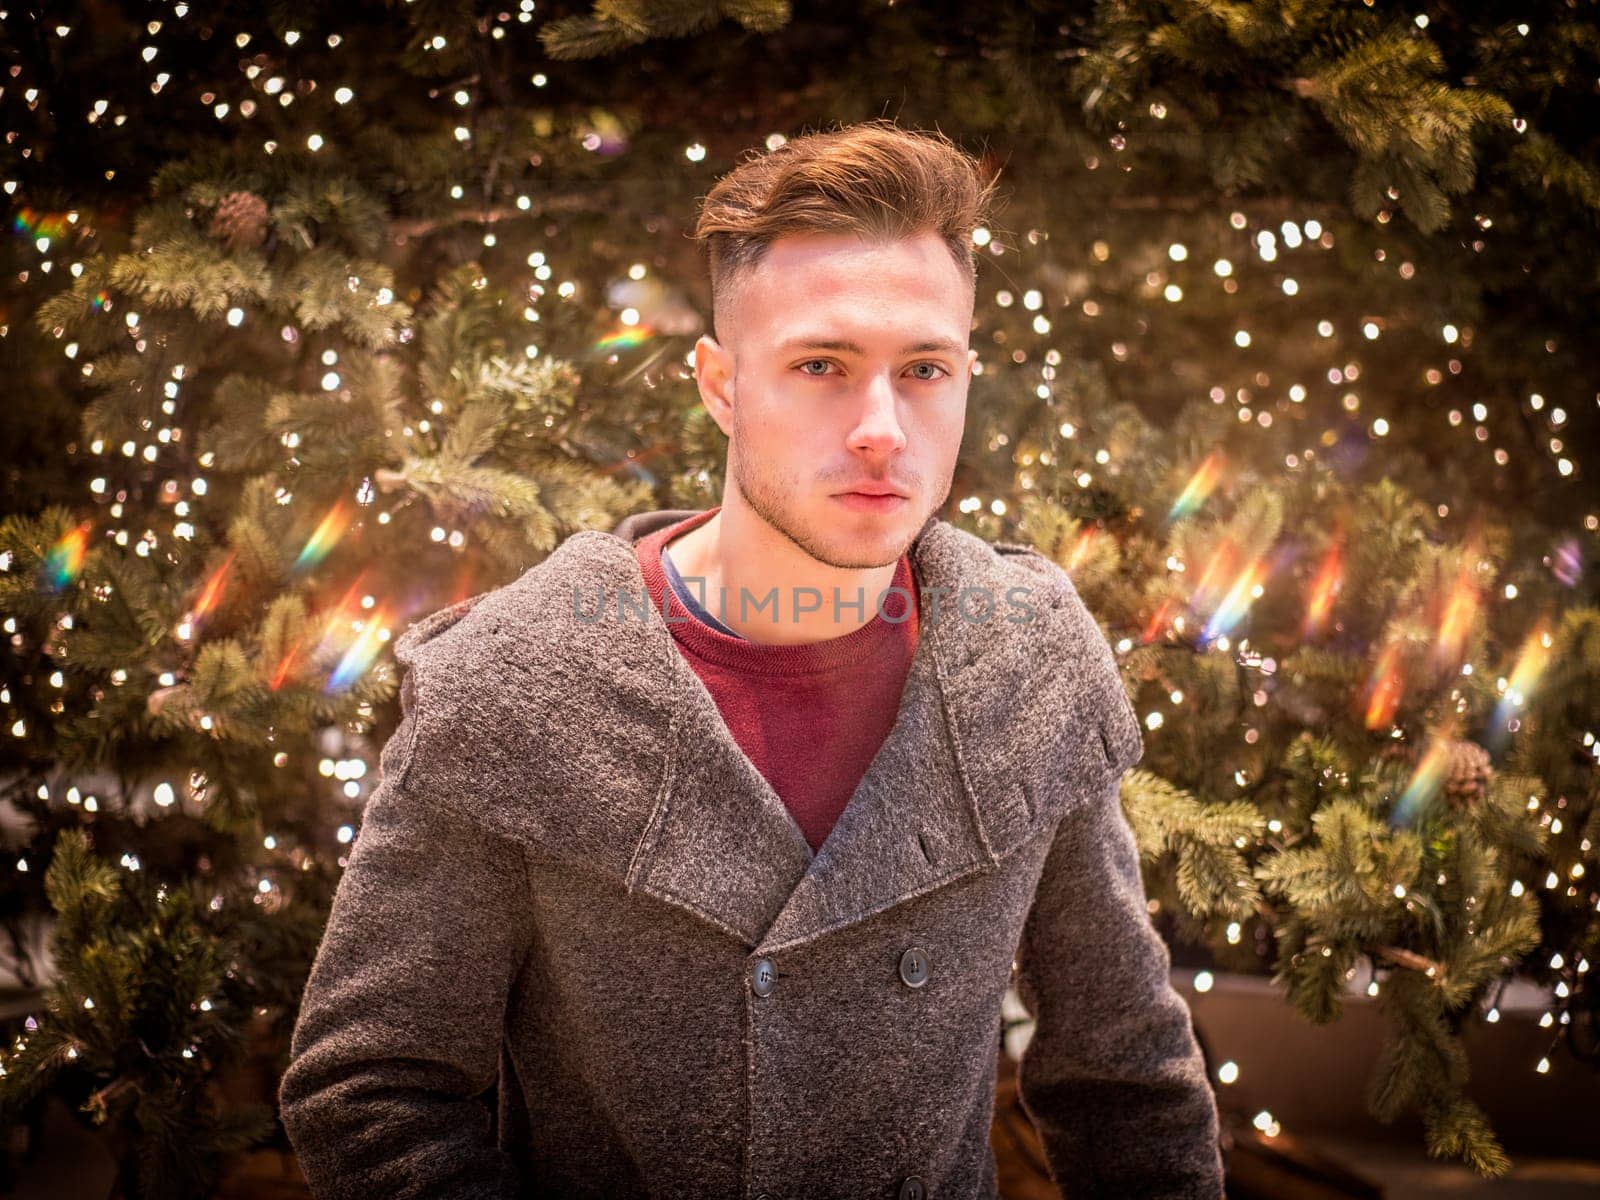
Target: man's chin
<point>859,543</point>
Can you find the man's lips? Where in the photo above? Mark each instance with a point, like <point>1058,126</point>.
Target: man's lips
<point>879,502</point>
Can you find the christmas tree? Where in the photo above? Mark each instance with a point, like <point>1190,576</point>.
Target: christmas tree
<point>320,321</point>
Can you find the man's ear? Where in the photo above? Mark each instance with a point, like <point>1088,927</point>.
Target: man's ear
<point>713,373</point>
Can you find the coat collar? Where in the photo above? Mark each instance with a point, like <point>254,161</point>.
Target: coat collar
<point>604,746</point>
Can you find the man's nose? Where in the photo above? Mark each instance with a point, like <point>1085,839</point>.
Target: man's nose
<point>878,427</point>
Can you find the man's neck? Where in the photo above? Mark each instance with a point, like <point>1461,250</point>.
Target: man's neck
<point>739,552</point>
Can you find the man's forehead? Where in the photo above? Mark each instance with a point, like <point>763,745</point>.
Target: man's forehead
<point>846,294</point>
<point>843,307</point>
<point>849,256</point>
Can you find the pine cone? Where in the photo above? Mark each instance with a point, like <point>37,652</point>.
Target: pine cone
<point>240,220</point>
<point>1398,752</point>
<point>1470,770</point>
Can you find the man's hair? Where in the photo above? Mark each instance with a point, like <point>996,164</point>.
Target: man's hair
<point>873,179</point>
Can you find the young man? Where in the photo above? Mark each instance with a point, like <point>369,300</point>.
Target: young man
<point>724,893</point>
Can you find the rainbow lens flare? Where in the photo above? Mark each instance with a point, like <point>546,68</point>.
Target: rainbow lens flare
<point>1456,622</point>
<point>1236,603</point>
<point>1326,585</point>
<point>344,613</point>
<point>212,591</point>
<point>363,652</point>
<point>64,561</point>
<point>31,223</point>
<point>1384,688</point>
<point>624,339</point>
<point>280,673</point>
<point>1201,484</point>
<point>326,535</point>
<point>1086,540</point>
<point>1532,662</point>
<point>1423,785</point>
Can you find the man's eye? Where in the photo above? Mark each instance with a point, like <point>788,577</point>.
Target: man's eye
<point>939,371</point>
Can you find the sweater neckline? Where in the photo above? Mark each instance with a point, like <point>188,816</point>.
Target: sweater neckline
<point>760,658</point>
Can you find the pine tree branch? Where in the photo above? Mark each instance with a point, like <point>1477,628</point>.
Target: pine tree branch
<point>99,1101</point>
<point>1196,201</point>
<point>593,200</point>
<point>1410,958</point>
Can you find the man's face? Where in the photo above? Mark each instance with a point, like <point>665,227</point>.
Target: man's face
<point>808,422</point>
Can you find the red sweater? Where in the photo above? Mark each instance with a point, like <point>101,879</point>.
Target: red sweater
<point>809,717</point>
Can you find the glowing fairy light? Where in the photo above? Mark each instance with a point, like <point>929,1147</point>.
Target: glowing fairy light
<point>1200,486</point>
<point>1384,688</point>
<point>361,655</point>
<point>64,562</point>
<point>1423,785</point>
<point>1324,587</point>
<point>326,535</point>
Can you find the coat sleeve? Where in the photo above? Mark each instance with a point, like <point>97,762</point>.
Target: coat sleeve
<point>402,1018</point>
<point>1112,1076</point>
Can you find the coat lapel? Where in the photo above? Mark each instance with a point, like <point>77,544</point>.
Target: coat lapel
<point>933,805</point>
<point>924,813</point>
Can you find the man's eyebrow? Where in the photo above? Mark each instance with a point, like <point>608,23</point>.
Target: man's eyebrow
<point>848,347</point>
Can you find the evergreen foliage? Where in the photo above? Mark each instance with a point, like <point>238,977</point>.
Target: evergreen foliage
<point>1286,355</point>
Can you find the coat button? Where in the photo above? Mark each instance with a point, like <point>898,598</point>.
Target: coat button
<point>762,977</point>
<point>914,970</point>
<point>912,1188</point>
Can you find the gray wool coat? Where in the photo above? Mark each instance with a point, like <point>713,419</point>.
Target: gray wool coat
<point>571,882</point>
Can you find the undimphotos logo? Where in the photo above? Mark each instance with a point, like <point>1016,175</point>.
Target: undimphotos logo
<point>976,605</point>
